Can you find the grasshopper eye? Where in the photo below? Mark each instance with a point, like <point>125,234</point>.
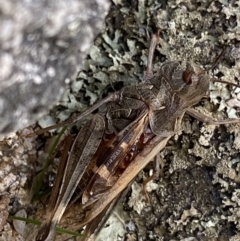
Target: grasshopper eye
<point>187,77</point>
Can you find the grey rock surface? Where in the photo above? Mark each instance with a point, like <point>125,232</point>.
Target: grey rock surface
<point>42,46</point>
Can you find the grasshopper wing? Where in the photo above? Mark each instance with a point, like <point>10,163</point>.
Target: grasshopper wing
<point>82,151</point>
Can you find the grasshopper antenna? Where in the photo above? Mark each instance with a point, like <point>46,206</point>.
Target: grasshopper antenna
<point>215,64</point>
<point>224,82</point>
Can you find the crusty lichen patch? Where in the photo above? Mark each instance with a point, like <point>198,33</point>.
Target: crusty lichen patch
<point>17,159</point>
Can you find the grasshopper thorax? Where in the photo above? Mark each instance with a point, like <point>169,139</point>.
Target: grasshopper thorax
<point>187,80</point>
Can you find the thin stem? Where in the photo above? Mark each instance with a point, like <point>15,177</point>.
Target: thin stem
<point>47,163</point>
<point>38,223</point>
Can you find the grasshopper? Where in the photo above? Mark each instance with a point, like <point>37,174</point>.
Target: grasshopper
<point>111,148</point>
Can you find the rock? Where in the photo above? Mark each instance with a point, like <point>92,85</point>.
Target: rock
<point>4,202</point>
<point>42,46</point>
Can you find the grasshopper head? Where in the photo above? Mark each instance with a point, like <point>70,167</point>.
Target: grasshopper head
<point>187,80</point>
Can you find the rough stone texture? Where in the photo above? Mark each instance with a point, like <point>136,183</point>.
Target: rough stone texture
<point>196,197</point>
<point>42,46</point>
<point>4,202</point>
